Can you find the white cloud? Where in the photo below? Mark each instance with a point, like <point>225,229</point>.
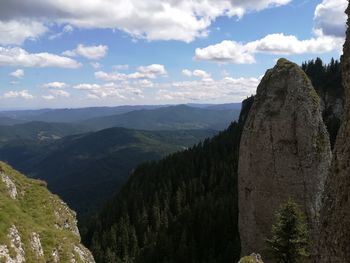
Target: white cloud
<point>143,72</point>
<point>24,94</point>
<point>48,97</point>
<point>19,57</point>
<point>96,91</point>
<point>279,44</point>
<point>154,69</point>
<point>329,31</point>
<point>19,73</point>
<point>153,20</point>
<point>121,67</point>
<point>86,86</point>
<point>16,32</point>
<point>144,83</point>
<point>56,93</point>
<point>60,93</point>
<point>227,90</point>
<point>95,65</point>
<point>197,73</point>
<point>187,72</point>
<point>89,52</point>
<point>201,74</point>
<point>55,85</point>
<point>330,17</point>
<point>226,52</point>
<point>66,29</point>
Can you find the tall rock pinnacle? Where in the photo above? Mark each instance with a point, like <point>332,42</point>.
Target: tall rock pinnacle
<point>335,213</point>
<point>284,153</point>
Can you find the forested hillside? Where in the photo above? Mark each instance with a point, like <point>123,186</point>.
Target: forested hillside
<point>327,81</point>
<point>86,169</point>
<point>180,209</point>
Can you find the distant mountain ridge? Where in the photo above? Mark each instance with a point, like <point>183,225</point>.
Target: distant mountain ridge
<point>9,117</point>
<point>177,117</point>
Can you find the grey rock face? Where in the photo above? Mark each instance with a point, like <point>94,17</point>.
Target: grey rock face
<point>335,215</point>
<point>284,153</point>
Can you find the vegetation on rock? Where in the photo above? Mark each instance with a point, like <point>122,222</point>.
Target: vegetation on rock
<point>290,237</point>
<point>35,225</point>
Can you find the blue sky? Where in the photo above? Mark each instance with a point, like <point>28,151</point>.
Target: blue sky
<point>101,53</point>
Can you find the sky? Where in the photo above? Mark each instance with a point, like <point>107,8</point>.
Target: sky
<point>81,53</point>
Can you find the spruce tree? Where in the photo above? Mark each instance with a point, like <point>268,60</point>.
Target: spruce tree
<point>290,237</point>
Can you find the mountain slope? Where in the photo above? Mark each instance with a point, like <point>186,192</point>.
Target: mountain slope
<point>69,115</point>
<point>87,169</point>
<point>36,226</point>
<point>167,118</point>
<point>39,131</point>
<point>180,209</point>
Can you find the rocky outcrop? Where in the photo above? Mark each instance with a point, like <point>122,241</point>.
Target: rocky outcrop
<point>253,258</point>
<point>335,214</point>
<point>284,153</point>
<point>36,226</point>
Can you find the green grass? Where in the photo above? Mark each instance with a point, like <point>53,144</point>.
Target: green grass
<point>33,211</point>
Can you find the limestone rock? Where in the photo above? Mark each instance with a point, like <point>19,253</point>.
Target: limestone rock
<point>36,226</point>
<point>334,243</point>
<point>11,187</point>
<point>253,258</point>
<point>284,153</point>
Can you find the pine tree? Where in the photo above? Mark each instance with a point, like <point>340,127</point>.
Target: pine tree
<point>290,242</point>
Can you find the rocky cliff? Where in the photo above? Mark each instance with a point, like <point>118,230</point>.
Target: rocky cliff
<point>335,213</point>
<point>284,153</point>
<point>35,225</point>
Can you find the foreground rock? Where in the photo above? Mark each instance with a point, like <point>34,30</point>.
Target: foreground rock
<point>253,258</point>
<point>335,214</point>
<point>284,153</point>
<point>35,225</point>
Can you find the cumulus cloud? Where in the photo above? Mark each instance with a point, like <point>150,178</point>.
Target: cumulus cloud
<point>330,18</point>
<point>56,93</point>
<point>329,31</point>
<point>226,89</point>
<point>19,57</point>
<point>89,52</point>
<point>97,91</point>
<point>16,32</point>
<point>150,71</point>
<point>23,94</point>
<point>18,74</point>
<point>229,51</point>
<point>197,73</point>
<point>48,97</point>
<point>55,85</point>
<point>154,20</point>
<point>60,93</point>
<point>187,72</point>
<point>110,76</point>
<point>143,72</point>
<point>86,86</point>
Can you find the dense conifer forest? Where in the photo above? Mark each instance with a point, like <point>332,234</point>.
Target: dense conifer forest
<point>180,209</point>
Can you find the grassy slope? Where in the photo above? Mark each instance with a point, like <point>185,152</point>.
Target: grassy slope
<point>33,211</point>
